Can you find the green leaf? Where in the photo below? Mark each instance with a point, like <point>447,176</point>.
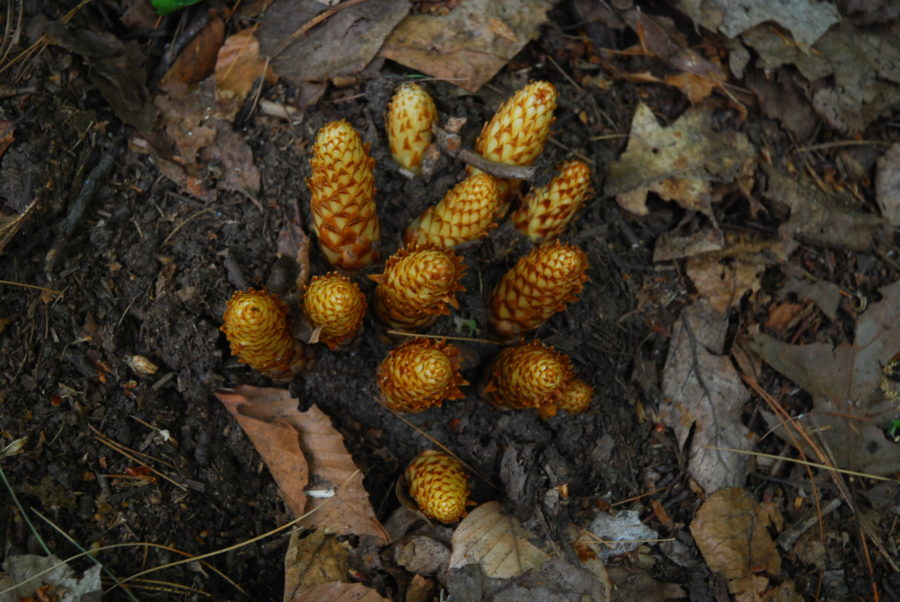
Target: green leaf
<point>164,7</point>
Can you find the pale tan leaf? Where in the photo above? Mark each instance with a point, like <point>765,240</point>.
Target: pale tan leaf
<point>238,64</point>
<point>495,542</point>
<point>288,440</point>
<point>313,560</point>
<point>340,592</point>
<point>730,530</point>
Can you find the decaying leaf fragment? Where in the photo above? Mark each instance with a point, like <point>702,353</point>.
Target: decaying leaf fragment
<point>495,542</point>
<point>679,163</point>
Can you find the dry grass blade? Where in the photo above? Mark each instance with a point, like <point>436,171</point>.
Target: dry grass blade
<point>122,450</point>
<point>852,473</point>
<point>11,33</point>
<point>403,333</point>
<point>9,226</point>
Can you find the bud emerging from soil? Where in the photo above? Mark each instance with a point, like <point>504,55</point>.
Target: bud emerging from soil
<point>529,375</point>
<point>342,189</point>
<point>546,211</point>
<point>538,286</point>
<point>411,113</point>
<point>465,213</point>
<point>439,485</point>
<point>418,284</point>
<point>256,325</point>
<point>420,374</point>
<point>517,132</point>
<point>334,303</point>
<point>575,396</point>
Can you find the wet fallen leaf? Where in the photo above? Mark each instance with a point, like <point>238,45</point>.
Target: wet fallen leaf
<point>340,592</point>
<point>470,44</point>
<point>887,185</point>
<point>239,65</point>
<point>679,162</point>
<point>817,217</point>
<point>307,459</point>
<point>730,530</point>
<point>495,542</point>
<point>807,20</point>
<point>198,58</point>
<point>329,44</point>
<point>117,69</point>
<point>316,559</point>
<point>724,277</point>
<point>703,397</point>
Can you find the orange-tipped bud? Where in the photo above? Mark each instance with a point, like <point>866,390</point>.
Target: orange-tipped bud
<point>256,325</point>
<point>418,285</point>
<point>342,189</point>
<point>465,213</point>
<point>335,304</point>
<point>419,374</point>
<point>538,286</point>
<point>529,375</point>
<point>575,396</point>
<point>546,211</point>
<point>517,132</point>
<point>411,113</point>
<point>439,485</point>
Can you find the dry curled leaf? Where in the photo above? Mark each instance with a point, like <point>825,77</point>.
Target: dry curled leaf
<point>300,449</point>
<point>340,592</point>
<point>495,542</point>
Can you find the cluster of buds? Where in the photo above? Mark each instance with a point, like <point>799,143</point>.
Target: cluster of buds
<point>466,213</point>
<point>334,304</point>
<point>546,211</point>
<point>256,325</point>
<point>342,189</point>
<point>411,114</point>
<point>439,485</point>
<point>535,376</point>
<point>418,284</point>
<point>517,132</point>
<point>539,285</point>
<point>420,374</point>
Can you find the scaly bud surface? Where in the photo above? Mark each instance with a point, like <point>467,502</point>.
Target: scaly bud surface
<point>465,213</point>
<point>439,486</point>
<point>536,287</point>
<point>546,211</point>
<point>418,285</point>
<point>342,189</point>
<point>335,304</point>
<point>575,396</point>
<point>411,113</point>
<point>420,374</point>
<point>256,325</point>
<point>528,375</point>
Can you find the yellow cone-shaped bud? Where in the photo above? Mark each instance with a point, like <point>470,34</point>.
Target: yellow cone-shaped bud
<point>335,304</point>
<point>546,211</point>
<point>420,374</point>
<point>575,396</point>
<point>528,375</point>
<point>466,213</point>
<point>439,485</point>
<point>256,325</point>
<point>418,285</point>
<point>411,114</point>
<point>342,189</point>
<point>536,287</point>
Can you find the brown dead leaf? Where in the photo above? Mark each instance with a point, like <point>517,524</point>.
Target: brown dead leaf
<point>290,440</point>
<point>679,162</point>
<point>695,87</point>
<point>316,559</point>
<point>198,58</point>
<point>495,542</point>
<point>238,65</point>
<point>730,530</point>
<point>704,396</point>
<point>340,592</point>
<point>782,315</point>
<point>337,46</point>
<point>470,44</point>
<point>817,217</point>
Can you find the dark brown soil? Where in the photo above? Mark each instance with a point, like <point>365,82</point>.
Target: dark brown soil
<point>144,273</point>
